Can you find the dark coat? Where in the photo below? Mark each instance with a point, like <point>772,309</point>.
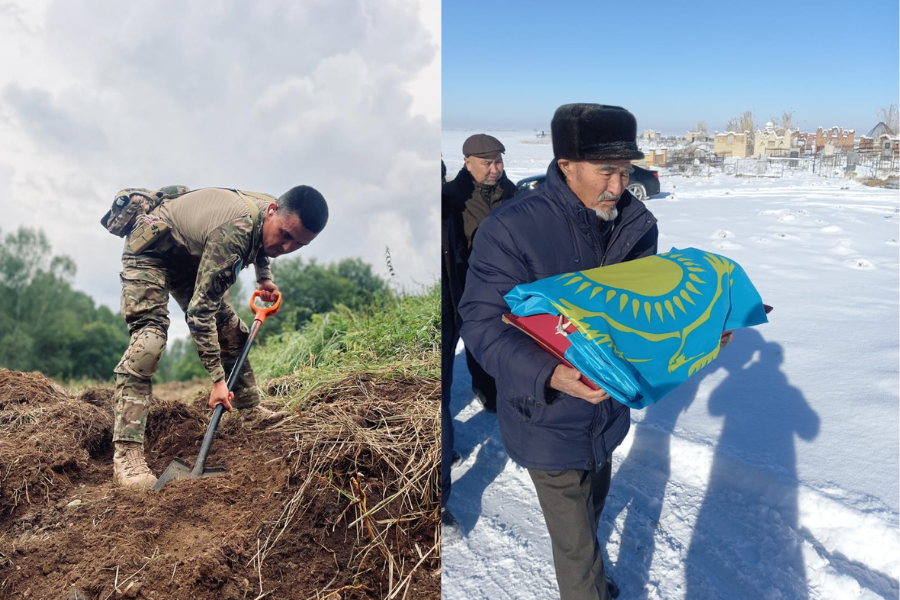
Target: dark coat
<point>464,204</point>
<point>537,235</point>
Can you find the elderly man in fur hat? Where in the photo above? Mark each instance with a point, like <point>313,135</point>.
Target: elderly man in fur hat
<point>552,424</point>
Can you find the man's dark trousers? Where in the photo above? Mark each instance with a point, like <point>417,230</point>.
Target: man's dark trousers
<point>572,501</point>
<point>483,385</point>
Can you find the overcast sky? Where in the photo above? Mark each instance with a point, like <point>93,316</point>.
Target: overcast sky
<point>672,64</point>
<point>342,95</point>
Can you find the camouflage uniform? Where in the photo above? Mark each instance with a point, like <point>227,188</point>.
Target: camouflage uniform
<point>196,267</point>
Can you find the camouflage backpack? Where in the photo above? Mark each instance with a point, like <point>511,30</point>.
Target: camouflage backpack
<point>131,203</point>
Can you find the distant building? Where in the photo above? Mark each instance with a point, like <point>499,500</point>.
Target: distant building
<point>775,141</point>
<point>806,142</point>
<point>696,136</point>
<point>880,140</point>
<point>880,129</point>
<point>731,143</point>
<point>650,135</point>
<point>653,158</point>
<point>836,137</point>
<point>884,144</point>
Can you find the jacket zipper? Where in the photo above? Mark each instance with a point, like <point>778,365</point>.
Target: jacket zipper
<point>599,253</point>
<point>594,436</point>
<point>615,234</point>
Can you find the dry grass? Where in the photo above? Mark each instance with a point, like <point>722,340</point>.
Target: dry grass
<point>374,445</point>
<point>877,182</point>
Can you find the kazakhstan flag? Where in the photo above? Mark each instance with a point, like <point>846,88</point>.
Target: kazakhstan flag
<point>646,325</point>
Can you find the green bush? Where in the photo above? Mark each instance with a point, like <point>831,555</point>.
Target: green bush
<point>45,324</point>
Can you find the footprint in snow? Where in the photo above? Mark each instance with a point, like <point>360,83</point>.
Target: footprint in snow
<point>729,246</point>
<point>891,241</point>
<point>787,219</point>
<point>831,229</point>
<point>722,233</point>
<point>860,263</point>
<point>843,247</point>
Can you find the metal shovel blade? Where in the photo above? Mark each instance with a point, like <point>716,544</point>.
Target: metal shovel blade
<point>179,469</point>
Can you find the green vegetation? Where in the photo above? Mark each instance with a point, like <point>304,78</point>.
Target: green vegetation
<point>180,362</point>
<point>398,336</point>
<point>308,289</point>
<point>335,319</point>
<point>47,326</point>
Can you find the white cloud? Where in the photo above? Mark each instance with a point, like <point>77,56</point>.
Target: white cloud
<point>426,87</point>
<point>342,95</point>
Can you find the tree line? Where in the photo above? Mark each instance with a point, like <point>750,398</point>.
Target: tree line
<point>46,325</point>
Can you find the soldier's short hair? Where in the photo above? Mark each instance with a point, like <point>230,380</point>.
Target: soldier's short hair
<point>308,204</point>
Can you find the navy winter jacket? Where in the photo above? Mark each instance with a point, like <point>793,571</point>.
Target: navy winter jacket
<point>537,235</point>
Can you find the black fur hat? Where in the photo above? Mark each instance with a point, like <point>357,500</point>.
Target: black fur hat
<point>594,132</point>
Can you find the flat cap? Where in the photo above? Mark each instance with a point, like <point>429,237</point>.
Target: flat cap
<point>594,132</point>
<point>482,145</point>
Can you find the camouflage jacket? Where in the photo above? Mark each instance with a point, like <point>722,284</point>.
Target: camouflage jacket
<point>215,227</point>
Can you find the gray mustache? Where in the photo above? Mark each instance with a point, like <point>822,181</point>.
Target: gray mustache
<point>608,196</point>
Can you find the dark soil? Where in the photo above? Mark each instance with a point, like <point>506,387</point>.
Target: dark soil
<point>67,532</point>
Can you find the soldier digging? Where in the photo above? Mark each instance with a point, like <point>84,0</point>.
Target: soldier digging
<point>197,244</point>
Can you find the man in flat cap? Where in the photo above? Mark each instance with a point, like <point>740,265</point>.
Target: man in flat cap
<point>479,187</point>
<point>552,424</point>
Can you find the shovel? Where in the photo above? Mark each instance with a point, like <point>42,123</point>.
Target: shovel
<point>179,469</point>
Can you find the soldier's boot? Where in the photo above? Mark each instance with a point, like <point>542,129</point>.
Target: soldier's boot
<point>260,417</point>
<point>129,467</point>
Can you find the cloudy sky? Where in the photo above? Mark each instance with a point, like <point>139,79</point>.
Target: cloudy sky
<point>343,95</point>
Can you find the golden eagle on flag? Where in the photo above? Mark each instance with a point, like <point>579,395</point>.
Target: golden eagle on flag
<point>645,326</point>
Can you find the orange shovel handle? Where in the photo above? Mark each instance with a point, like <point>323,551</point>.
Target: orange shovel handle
<point>262,312</point>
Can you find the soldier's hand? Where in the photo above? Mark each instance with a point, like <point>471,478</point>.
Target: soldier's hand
<point>220,395</point>
<point>268,291</point>
<point>568,381</point>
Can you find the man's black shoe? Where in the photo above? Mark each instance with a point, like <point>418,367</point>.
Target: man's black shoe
<point>611,587</point>
<point>450,532</point>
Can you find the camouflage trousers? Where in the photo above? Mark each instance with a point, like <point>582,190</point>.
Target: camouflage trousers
<point>147,280</point>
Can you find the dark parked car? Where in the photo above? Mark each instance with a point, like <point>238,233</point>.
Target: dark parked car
<point>642,184</point>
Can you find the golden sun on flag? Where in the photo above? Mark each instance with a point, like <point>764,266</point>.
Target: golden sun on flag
<point>671,296</point>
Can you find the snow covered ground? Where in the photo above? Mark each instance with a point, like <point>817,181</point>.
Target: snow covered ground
<point>773,473</point>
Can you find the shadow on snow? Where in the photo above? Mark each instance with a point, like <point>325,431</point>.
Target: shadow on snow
<point>746,539</point>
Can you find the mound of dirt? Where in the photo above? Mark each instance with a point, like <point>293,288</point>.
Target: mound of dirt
<point>339,502</point>
<point>47,438</point>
